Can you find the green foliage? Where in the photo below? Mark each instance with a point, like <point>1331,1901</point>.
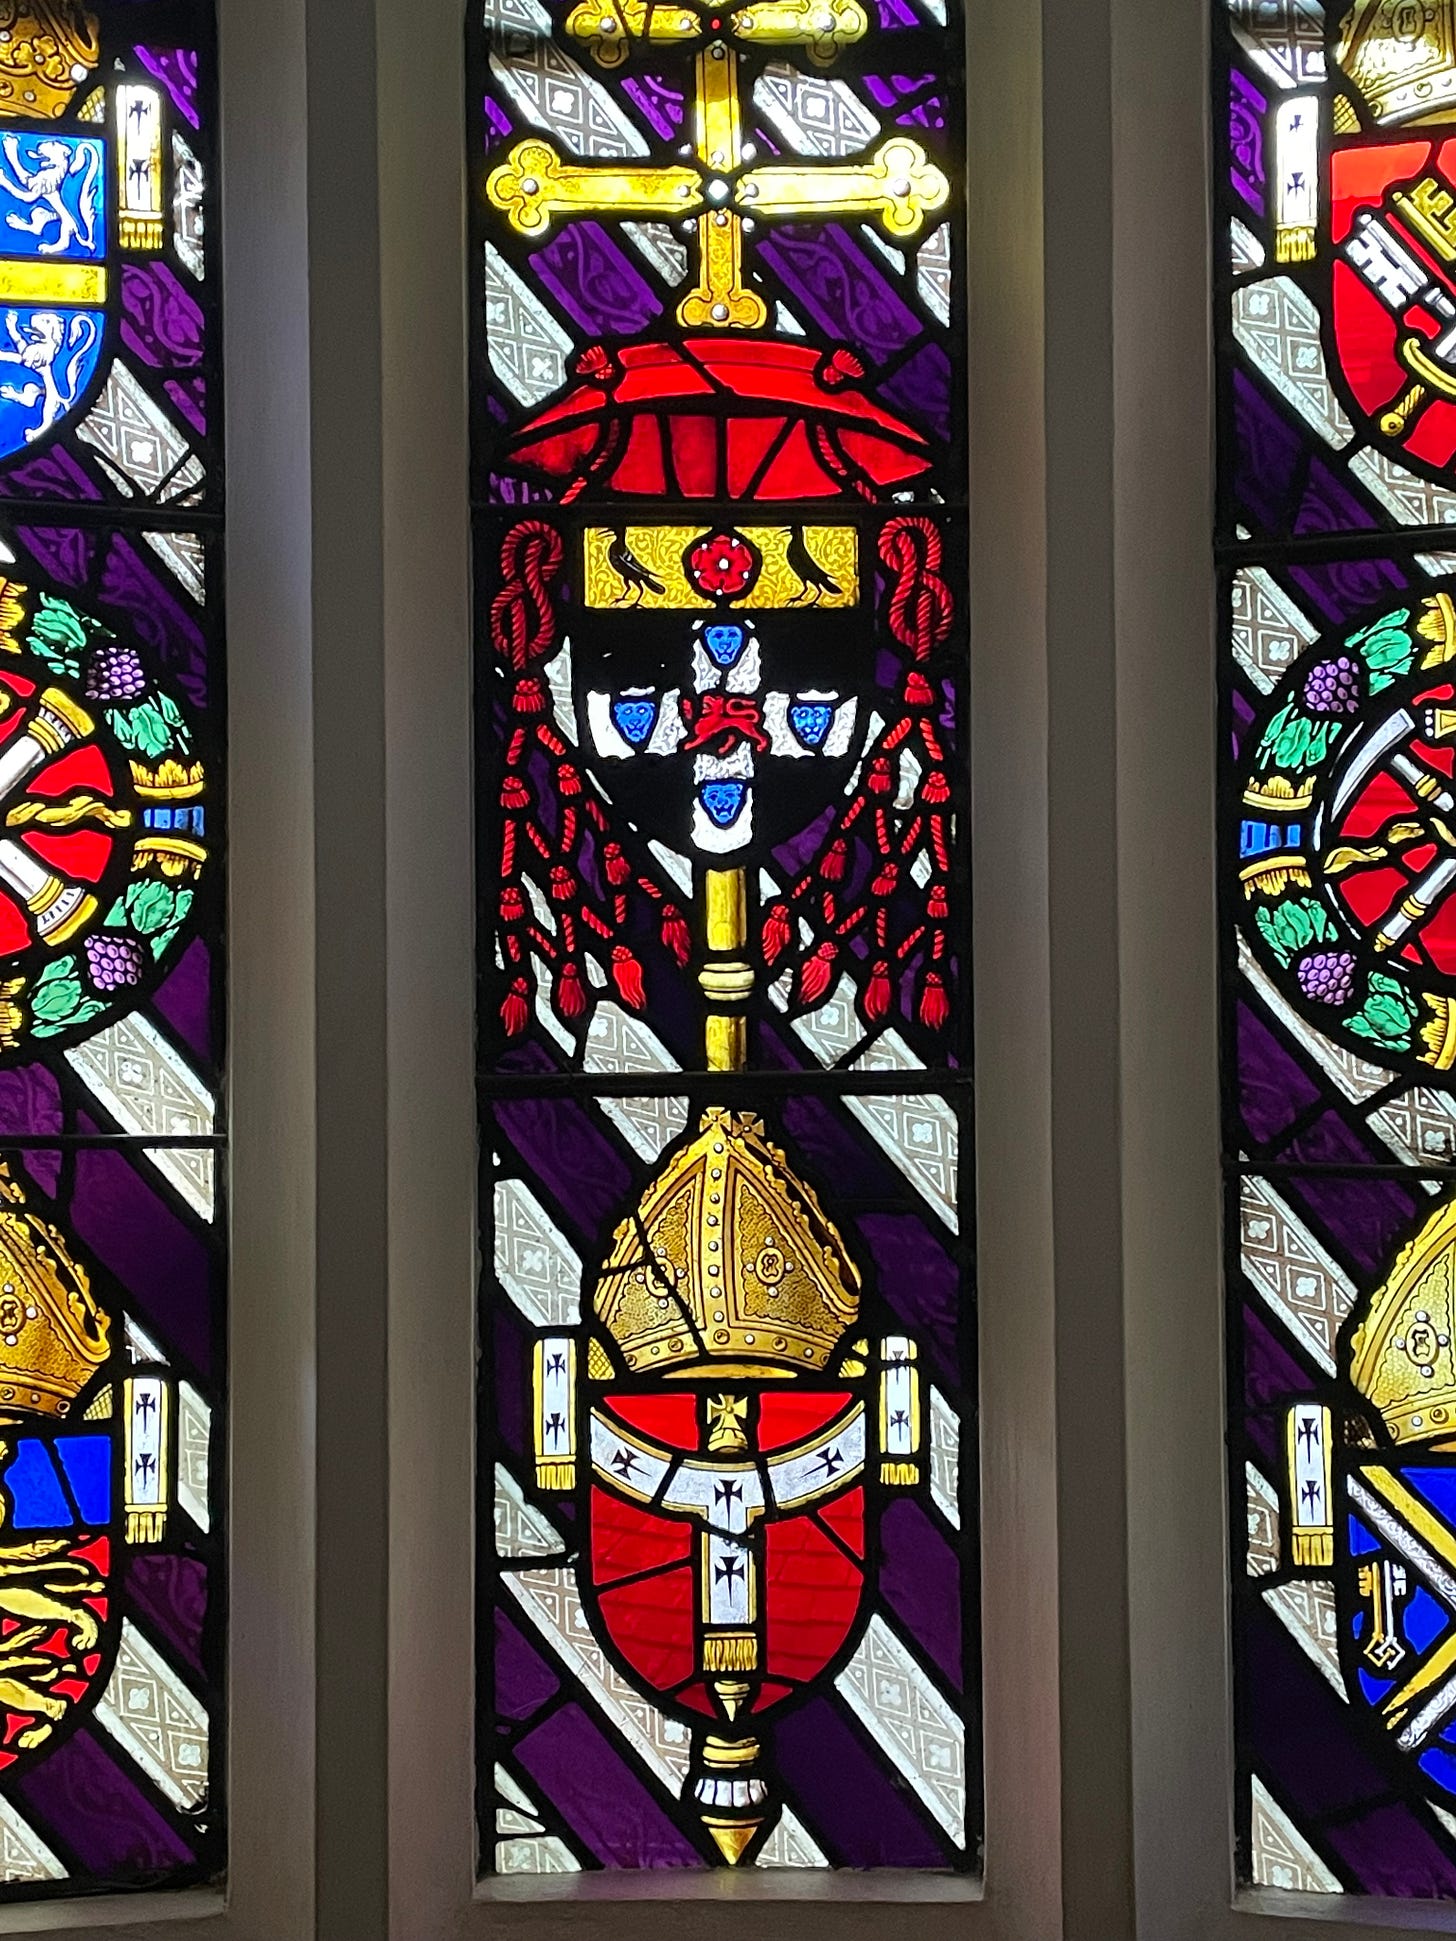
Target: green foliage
<point>1290,927</point>
<point>59,636</point>
<point>1387,1015</point>
<point>157,912</point>
<point>151,727</point>
<point>1386,648</point>
<point>1293,741</point>
<point>58,1002</point>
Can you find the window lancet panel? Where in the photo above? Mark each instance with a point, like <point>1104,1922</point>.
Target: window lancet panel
<point>1336,291</point>
<point>727,1426</point>
<point>112,1257</point>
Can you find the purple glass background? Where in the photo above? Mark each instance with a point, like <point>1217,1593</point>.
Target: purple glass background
<point>839,1783</point>
<point>150,1257</point>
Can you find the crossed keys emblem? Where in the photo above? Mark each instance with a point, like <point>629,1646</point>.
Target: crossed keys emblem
<point>714,184</point>
<point>1420,1543</point>
<point>1391,253</point>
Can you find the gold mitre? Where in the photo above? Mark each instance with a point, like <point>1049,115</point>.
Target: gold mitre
<point>47,49</point>
<point>729,1265</point>
<point>1401,1357</point>
<point>1401,57</point>
<point>53,1335</point>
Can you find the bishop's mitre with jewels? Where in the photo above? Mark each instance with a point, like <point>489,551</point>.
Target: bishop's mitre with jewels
<point>730,1434</point>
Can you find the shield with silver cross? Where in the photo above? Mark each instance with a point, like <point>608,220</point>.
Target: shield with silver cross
<point>730,1436</point>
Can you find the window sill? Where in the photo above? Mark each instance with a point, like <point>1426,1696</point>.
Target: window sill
<point>837,1885</point>
<point>1347,1912</point>
<point>129,1914</point>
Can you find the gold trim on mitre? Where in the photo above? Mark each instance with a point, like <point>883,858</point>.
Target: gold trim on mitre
<point>48,48</point>
<point>1400,55</point>
<point>54,1335</point>
<point>729,1264</point>
<point>1401,1356</point>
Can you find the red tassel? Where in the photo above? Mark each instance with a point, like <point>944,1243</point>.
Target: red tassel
<point>835,859</point>
<point>886,880</point>
<point>877,997</point>
<point>568,780</point>
<point>881,781</point>
<point>515,796</point>
<point>617,867</point>
<point>563,884</point>
<point>778,933</point>
<point>515,1011</point>
<point>815,976</point>
<point>936,788</point>
<point>627,976</point>
<point>597,364</point>
<point>934,1004</point>
<point>675,932</point>
<point>840,367</point>
<point>529,697</point>
<point>569,997</point>
<point>512,905</point>
<point>937,904</point>
<point>918,691</point>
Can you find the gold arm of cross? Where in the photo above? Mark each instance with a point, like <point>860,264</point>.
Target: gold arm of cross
<point>898,183</point>
<point>533,184</point>
<point>607,28</point>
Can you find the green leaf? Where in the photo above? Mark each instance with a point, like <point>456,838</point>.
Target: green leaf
<point>92,1008</point>
<point>141,729</point>
<point>151,906</point>
<point>58,635</point>
<point>58,995</point>
<point>1293,925</point>
<point>163,940</point>
<point>1387,1014</point>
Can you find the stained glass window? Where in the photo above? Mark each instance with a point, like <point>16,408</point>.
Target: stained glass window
<point>727,1433</point>
<point>111,1249</point>
<point>1336,289</point>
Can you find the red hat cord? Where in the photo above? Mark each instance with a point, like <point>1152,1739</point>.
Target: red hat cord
<point>554,833</point>
<point>881,871</point>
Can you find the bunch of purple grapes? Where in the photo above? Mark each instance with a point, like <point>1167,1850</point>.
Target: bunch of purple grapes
<point>1333,687</point>
<point>1327,976</point>
<point>115,963</point>
<point>114,673</point>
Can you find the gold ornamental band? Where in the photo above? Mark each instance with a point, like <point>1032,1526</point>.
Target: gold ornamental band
<point>43,281</point>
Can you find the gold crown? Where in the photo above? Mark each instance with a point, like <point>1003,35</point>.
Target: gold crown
<point>47,49</point>
<point>53,1335</point>
<point>169,783</point>
<point>1401,1357</point>
<point>1401,57</point>
<point>729,1265</point>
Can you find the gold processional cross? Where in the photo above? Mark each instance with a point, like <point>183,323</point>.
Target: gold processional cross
<point>897,184</point>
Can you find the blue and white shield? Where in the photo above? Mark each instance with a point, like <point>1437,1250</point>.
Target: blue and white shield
<point>53,279</point>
